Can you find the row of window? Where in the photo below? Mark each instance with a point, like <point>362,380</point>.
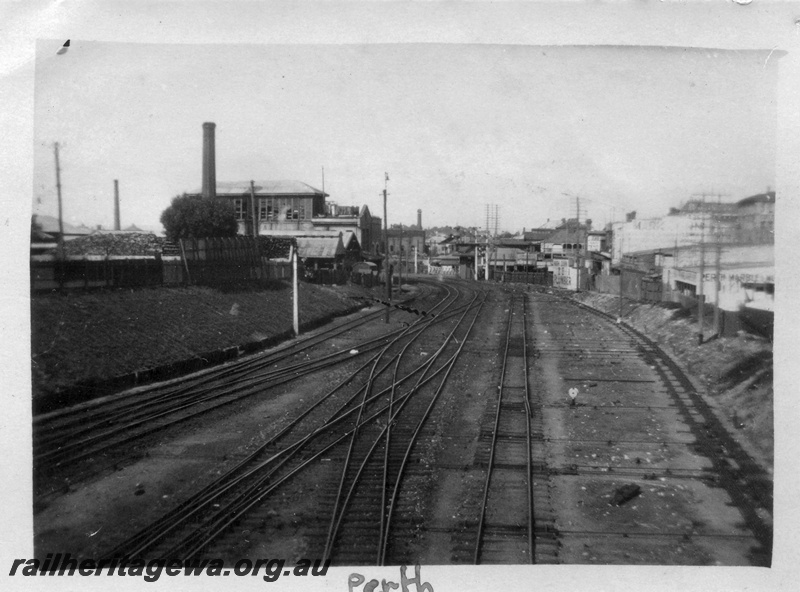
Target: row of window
<point>402,249</point>
<point>271,210</point>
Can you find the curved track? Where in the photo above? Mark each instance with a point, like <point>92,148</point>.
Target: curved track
<point>359,474</point>
<point>88,431</point>
<point>379,412</point>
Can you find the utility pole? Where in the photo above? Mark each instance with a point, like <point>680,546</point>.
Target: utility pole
<point>253,207</point>
<point>386,252</point>
<point>60,223</point>
<point>486,259</point>
<point>718,267</point>
<point>476,255</point>
<point>619,317</point>
<point>700,295</point>
<point>577,233</point>
<point>491,229</point>
<point>400,259</point>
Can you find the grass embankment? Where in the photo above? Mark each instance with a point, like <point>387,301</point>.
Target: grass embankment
<point>735,371</point>
<point>93,337</point>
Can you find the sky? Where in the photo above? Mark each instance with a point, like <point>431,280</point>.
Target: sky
<point>533,130</point>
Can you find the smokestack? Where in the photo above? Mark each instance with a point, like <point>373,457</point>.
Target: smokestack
<point>419,219</point>
<point>209,161</point>
<point>117,225</point>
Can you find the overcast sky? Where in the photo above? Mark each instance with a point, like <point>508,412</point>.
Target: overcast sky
<point>457,127</point>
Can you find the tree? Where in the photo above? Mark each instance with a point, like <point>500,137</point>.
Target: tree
<point>199,217</point>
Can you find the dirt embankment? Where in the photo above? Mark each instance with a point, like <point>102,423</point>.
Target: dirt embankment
<point>735,371</point>
<point>97,336</point>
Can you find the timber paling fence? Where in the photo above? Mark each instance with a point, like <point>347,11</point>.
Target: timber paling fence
<point>212,262</point>
<point>537,278</point>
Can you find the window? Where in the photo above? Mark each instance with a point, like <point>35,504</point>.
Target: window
<point>239,208</point>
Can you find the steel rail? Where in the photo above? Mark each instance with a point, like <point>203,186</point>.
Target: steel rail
<point>389,511</point>
<point>241,366</point>
<point>284,376</point>
<point>207,497</point>
<point>528,416</point>
<point>337,520</point>
<point>493,445</point>
<point>248,502</point>
<point>334,525</point>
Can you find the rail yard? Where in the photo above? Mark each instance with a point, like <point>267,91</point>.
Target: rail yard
<point>484,424</point>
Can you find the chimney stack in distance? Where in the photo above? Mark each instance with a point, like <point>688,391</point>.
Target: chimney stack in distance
<point>419,219</point>
<point>209,161</point>
<point>117,225</point>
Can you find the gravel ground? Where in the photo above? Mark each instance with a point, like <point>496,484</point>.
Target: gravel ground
<point>735,371</point>
<point>91,516</point>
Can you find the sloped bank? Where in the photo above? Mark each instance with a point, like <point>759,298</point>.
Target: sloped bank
<point>734,372</point>
<point>87,345</point>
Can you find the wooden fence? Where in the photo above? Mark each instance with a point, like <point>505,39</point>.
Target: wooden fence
<point>221,261</point>
<point>537,278</point>
<point>327,277</point>
<point>214,262</point>
<point>86,273</point>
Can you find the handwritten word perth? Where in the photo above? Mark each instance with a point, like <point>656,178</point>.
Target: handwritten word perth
<point>356,580</point>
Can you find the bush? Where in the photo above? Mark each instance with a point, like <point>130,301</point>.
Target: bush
<point>199,217</point>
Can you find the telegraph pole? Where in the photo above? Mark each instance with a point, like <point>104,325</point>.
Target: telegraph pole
<point>700,295</point>
<point>60,214</point>
<point>717,266</point>
<point>253,212</point>
<point>386,252</point>
<point>619,317</point>
<point>60,222</point>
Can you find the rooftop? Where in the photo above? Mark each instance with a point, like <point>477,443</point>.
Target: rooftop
<point>268,187</point>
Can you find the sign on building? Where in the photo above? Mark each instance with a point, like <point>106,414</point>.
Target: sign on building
<point>594,243</point>
<point>565,277</point>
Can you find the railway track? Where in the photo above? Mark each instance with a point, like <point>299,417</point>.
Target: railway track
<point>640,421</point>
<point>369,429</point>
<point>88,431</point>
<point>360,476</point>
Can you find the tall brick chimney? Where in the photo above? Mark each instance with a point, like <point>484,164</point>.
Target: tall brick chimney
<point>209,161</point>
<point>419,219</point>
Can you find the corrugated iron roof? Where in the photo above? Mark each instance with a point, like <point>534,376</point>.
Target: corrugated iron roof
<point>320,247</point>
<point>268,187</point>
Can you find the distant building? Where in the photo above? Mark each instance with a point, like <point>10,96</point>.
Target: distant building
<point>755,219</point>
<point>361,222</point>
<point>294,208</point>
<point>272,205</point>
<point>749,221</point>
<point>405,241</point>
